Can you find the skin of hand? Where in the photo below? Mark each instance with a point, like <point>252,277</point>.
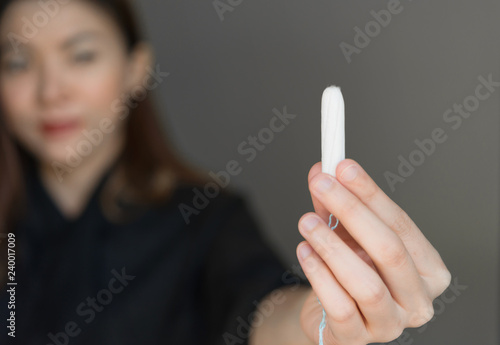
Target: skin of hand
<point>376,273</point>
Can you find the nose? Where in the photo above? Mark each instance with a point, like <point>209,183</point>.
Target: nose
<point>51,83</point>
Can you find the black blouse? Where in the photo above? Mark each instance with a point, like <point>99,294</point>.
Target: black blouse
<point>154,280</point>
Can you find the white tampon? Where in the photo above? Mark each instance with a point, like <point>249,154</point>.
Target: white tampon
<point>332,129</point>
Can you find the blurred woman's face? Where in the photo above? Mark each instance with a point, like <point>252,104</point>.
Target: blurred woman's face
<point>58,86</point>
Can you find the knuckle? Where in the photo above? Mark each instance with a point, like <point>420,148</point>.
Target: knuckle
<point>422,316</point>
<point>373,295</point>
<point>311,267</point>
<point>445,278</point>
<point>402,224</point>
<point>333,241</point>
<point>371,191</point>
<point>344,313</point>
<point>321,247</point>
<point>326,244</point>
<point>439,281</point>
<point>393,255</point>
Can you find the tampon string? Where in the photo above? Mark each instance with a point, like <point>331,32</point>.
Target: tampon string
<point>323,320</point>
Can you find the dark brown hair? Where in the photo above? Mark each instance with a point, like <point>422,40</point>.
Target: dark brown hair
<point>147,171</point>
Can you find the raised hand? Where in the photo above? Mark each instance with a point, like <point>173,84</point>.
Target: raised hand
<point>376,273</point>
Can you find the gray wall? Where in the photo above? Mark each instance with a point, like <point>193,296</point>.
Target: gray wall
<point>227,76</point>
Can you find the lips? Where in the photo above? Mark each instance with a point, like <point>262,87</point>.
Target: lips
<point>58,128</point>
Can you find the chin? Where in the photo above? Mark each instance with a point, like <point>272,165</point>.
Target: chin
<point>55,155</point>
<point>47,150</point>
<point>63,152</point>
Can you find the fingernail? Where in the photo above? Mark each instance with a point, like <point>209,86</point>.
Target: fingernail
<point>309,223</point>
<point>349,173</point>
<point>304,251</point>
<point>323,184</point>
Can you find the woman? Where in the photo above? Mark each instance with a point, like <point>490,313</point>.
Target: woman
<point>90,195</point>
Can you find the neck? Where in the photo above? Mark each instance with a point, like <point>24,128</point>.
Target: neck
<point>73,192</point>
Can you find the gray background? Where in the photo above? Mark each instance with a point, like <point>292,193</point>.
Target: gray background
<point>227,76</point>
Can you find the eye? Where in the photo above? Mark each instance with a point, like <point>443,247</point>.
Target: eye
<point>84,57</point>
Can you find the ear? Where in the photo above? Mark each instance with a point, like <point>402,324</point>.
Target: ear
<point>140,59</point>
